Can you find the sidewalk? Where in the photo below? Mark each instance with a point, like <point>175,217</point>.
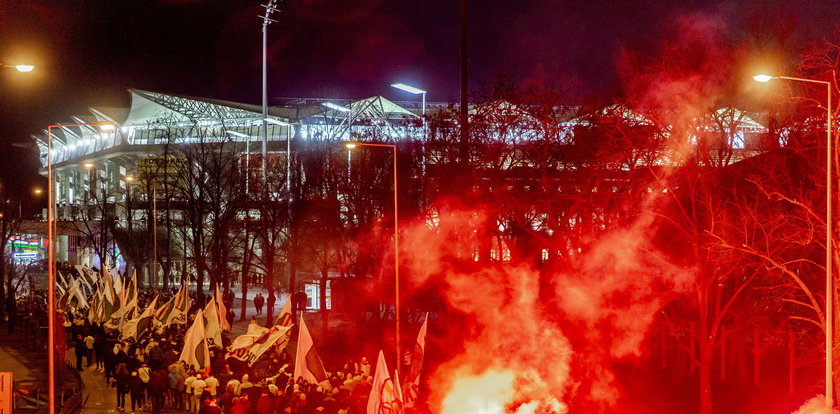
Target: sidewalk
<point>28,366</point>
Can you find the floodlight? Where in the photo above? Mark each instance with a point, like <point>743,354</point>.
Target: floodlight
<point>408,88</point>
<point>276,122</point>
<point>24,68</point>
<point>336,106</point>
<point>107,127</point>
<point>762,78</point>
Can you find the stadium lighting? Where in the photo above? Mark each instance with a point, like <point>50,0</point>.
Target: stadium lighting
<point>276,122</point>
<point>829,307</point>
<point>237,134</point>
<point>408,88</point>
<point>337,107</point>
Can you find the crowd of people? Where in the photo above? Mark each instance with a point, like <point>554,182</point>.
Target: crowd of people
<point>148,375</point>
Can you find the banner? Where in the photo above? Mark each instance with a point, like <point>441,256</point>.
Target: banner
<point>253,344</point>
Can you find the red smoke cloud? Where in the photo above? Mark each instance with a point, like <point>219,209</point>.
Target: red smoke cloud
<point>528,350</point>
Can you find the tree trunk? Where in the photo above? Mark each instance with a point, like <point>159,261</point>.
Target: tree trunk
<point>704,368</point>
<point>269,286</point>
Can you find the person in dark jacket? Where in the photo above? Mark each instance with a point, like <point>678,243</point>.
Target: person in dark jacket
<point>136,389</point>
<point>158,384</point>
<point>123,378</point>
<point>81,350</point>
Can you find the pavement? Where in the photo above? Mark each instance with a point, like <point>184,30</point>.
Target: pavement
<point>28,365</point>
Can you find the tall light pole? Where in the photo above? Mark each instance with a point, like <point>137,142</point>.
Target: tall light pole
<point>270,7</point>
<point>351,145</point>
<point>829,308</point>
<point>51,230</point>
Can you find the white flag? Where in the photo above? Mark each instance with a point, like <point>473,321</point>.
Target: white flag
<point>285,316</point>
<point>134,328</point>
<point>307,362</point>
<point>412,377</point>
<point>195,352</point>
<point>253,344</point>
<point>220,303</point>
<point>212,331</point>
<point>384,397</point>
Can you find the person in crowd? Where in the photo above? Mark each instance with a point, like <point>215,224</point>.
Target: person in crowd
<point>188,391</point>
<point>198,387</point>
<point>136,391</point>
<point>259,301</point>
<point>122,378</point>
<point>157,387</point>
<point>81,351</point>
<point>226,400</point>
<point>209,405</point>
<point>89,341</point>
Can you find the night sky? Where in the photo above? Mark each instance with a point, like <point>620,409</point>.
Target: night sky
<point>88,52</point>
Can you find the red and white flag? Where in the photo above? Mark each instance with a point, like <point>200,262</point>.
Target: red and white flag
<point>384,397</point>
<point>195,352</point>
<point>307,362</point>
<point>412,377</point>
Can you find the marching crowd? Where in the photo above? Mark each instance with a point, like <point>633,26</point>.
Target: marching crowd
<point>147,375</point>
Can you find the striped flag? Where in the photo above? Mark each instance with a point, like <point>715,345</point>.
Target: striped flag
<point>195,352</point>
<point>307,362</point>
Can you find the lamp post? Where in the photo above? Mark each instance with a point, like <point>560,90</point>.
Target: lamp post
<point>422,93</point>
<point>351,145</point>
<point>51,230</point>
<point>270,7</point>
<point>829,311</point>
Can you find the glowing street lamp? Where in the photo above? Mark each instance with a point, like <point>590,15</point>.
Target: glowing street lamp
<point>350,146</point>
<point>829,311</point>
<point>20,68</point>
<point>51,231</point>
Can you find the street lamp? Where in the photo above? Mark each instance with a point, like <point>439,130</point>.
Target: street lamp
<point>20,68</point>
<point>828,232</point>
<point>51,230</point>
<point>421,92</point>
<point>350,146</point>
